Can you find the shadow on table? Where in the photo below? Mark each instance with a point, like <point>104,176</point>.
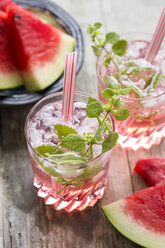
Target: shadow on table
<point>14,160</point>
<point>79,224</point>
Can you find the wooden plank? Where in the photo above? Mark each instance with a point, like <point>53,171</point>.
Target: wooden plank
<point>25,221</point>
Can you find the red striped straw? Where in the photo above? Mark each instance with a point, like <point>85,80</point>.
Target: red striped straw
<point>156,39</point>
<point>69,85</point>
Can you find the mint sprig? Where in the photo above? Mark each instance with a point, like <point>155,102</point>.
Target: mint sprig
<point>123,75</point>
<point>100,43</point>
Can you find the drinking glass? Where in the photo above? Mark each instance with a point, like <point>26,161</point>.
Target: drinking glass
<point>88,179</point>
<point>146,124</point>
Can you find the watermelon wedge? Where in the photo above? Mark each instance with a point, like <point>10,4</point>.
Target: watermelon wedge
<point>9,75</point>
<point>39,48</point>
<point>152,170</point>
<point>141,217</point>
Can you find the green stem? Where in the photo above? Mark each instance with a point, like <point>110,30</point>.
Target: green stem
<point>70,182</point>
<point>99,120</point>
<point>107,52</point>
<point>152,122</point>
<point>89,147</point>
<point>62,189</point>
<point>91,150</point>
<point>113,61</point>
<point>105,117</point>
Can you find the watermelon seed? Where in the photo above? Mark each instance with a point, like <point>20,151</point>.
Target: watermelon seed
<point>17,17</point>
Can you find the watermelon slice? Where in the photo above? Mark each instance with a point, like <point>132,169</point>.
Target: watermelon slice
<point>152,170</point>
<point>39,48</point>
<point>9,75</point>
<point>141,217</point>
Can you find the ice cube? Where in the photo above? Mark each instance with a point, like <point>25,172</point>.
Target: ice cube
<point>47,120</point>
<point>36,137</point>
<point>136,49</point>
<point>57,114</point>
<point>79,105</point>
<point>79,115</point>
<point>49,108</point>
<point>50,137</point>
<point>87,126</point>
<point>75,122</point>
<point>36,122</point>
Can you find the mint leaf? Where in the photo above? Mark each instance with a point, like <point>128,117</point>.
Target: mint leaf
<point>97,25</point>
<point>63,130</point>
<point>108,107</point>
<point>71,159</point>
<point>122,114</point>
<point>111,82</point>
<point>119,47</point>
<point>124,91</point>
<point>89,29</point>
<point>92,99</point>
<point>136,69</point>
<point>107,61</point>
<point>94,108</point>
<point>73,142</point>
<point>97,32</point>
<point>51,171</point>
<point>48,150</point>
<point>110,141</point>
<point>112,37</point>
<point>155,80</point>
<point>117,103</point>
<point>128,83</point>
<point>137,90</point>
<point>96,50</point>
<point>107,93</point>
<point>118,86</point>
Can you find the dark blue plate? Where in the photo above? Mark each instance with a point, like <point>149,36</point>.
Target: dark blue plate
<point>19,96</point>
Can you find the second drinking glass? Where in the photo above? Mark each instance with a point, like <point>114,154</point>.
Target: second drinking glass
<point>146,124</point>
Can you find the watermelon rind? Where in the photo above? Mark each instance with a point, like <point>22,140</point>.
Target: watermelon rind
<point>39,78</point>
<point>130,228</point>
<point>10,80</point>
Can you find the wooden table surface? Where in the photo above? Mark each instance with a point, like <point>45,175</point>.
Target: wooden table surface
<point>25,222</point>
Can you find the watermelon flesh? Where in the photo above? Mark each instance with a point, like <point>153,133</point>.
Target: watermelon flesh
<point>4,5</point>
<point>152,170</point>
<point>39,48</point>
<point>141,216</point>
<point>9,75</point>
